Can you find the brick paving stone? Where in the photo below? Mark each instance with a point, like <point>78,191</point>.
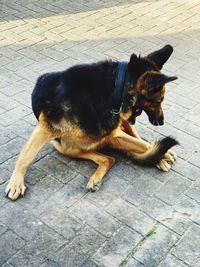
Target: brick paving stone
<point>38,37</point>
<point>172,189</point>
<point>117,248</point>
<point>10,149</point>
<point>58,218</point>
<point>188,248</point>
<point>6,135</point>
<point>140,190</point>
<point>128,214</point>
<point>10,243</point>
<point>194,191</point>
<point>133,262</point>
<point>89,263</point>
<point>187,206</point>
<point>186,169</point>
<point>56,168</point>
<point>153,250</point>
<point>39,249</point>
<point>14,115</point>
<point>156,208</point>
<point>3,228</point>
<point>40,192</point>
<point>29,225</point>
<point>171,261</point>
<point>71,192</point>
<point>80,249</point>
<point>95,217</point>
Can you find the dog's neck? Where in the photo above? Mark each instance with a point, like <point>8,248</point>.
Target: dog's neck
<point>123,85</point>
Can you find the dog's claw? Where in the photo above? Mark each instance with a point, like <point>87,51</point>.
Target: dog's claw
<point>93,188</point>
<point>163,165</point>
<point>13,191</point>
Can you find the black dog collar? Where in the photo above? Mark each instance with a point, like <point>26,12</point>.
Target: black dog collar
<point>122,85</point>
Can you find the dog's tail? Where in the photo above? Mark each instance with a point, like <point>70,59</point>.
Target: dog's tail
<point>153,155</point>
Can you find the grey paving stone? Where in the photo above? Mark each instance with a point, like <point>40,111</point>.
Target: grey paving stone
<point>193,114</point>
<point>188,127</point>
<point>194,159</point>
<point>114,184</point>
<point>3,228</point>
<point>171,261</point>
<point>29,225</point>
<point>21,128</point>
<point>10,243</point>
<point>14,115</point>
<point>125,172</point>
<point>178,222</point>
<point>85,167</point>
<point>186,169</point>
<point>194,191</point>
<point>50,263</point>
<point>40,37</point>
<point>58,218</point>
<point>188,207</point>
<point>117,248</point>
<point>156,209</point>
<point>188,248</point>
<point>39,249</point>
<point>172,189</point>
<point>133,262</point>
<point>56,168</point>
<point>10,149</point>
<point>141,189</point>
<point>154,249</point>
<point>5,174</point>
<point>40,192</point>
<point>95,217</point>
<point>71,192</point>
<point>34,175</point>
<point>128,214</point>
<point>7,103</point>
<point>80,249</point>
<point>89,263</point>
<point>101,198</point>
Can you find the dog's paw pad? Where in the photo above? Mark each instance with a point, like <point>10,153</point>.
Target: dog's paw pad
<point>93,188</point>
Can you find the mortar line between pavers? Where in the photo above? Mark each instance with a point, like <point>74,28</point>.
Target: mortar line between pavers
<point>140,243</point>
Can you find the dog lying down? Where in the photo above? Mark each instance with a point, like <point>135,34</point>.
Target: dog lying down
<point>89,106</point>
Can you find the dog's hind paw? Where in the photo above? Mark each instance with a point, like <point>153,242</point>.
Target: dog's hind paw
<point>163,165</point>
<point>170,156</point>
<point>14,189</point>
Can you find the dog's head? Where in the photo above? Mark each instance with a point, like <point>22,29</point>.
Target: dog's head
<point>150,84</point>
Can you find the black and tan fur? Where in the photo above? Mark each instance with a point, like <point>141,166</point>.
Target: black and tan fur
<point>74,111</point>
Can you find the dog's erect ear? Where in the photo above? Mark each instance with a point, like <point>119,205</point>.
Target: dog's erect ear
<point>159,79</point>
<point>161,56</point>
<point>136,66</point>
<point>154,84</point>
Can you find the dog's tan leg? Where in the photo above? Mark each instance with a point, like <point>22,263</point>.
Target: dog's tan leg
<point>104,163</point>
<point>124,141</point>
<point>170,156</point>
<point>130,129</point>
<point>40,137</point>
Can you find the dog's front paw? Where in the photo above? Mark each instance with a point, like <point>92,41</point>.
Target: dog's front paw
<point>92,186</point>
<point>15,188</point>
<point>163,165</point>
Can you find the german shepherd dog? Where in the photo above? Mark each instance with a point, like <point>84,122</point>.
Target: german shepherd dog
<point>89,106</point>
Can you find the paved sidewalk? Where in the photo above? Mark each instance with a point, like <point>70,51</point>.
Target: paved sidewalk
<point>141,216</point>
